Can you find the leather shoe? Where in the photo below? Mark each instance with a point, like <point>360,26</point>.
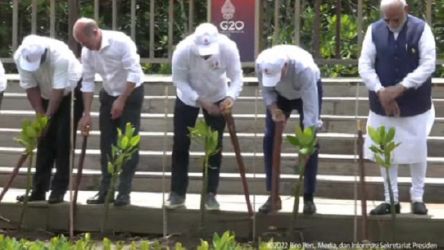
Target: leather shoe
<point>99,198</point>
<point>384,208</point>
<point>267,206</point>
<point>309,207</point>
<point>122,200</point>
<point>419,208</point>
<point>55,198</point>
<point>34,196</point>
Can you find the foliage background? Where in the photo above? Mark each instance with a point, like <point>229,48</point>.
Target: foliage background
<point>349,44</point>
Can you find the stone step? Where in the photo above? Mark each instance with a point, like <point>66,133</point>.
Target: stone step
<point>330,143</point>
<point>245,123</point>
<point>157,161</point>
<point>328,186</point>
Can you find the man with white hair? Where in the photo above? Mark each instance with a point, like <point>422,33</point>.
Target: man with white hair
<point>49,71</point>
<point>112,55</point>
<point>207,73</point>
<point>290,80</point>
<point>3,82</point>
<point>397,62</point>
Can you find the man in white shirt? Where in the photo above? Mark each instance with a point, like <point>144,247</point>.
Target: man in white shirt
<point>112,55</point>
<point>49,71</point>
<point>290,80</point>
<point>3,82</point>
<point>207,73</point>
<point>396,64</point>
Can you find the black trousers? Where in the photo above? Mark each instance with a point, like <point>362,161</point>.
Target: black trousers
<point>311,168</point>
<point>185,116</point>
<point>54,146</point>
<point>108,136</point>
<point>1,98</point>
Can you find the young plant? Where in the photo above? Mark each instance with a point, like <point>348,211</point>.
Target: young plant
<point>305,143</point>
<point>126,145</point>
<point>29,138</point>
<point>383,148</point>
<point>226,241</point>
<point>204,134</point>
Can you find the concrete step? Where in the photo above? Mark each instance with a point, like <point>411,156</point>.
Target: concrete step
<point>245,123</point>
<point>318,231</point>
<point>330,143</point>
<point>328,186</point>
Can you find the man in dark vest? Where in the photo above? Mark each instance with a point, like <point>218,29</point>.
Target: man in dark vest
<point>396,64</point>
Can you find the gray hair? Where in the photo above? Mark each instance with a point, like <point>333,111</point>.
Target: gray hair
<point>387,3</point>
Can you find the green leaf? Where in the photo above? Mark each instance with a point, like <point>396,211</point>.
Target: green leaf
<point>374,135</point>
<point>110,168</point>
<point>135,141</point>
<point>380,161</point>
<point>124,142</point>
<point>293,140</point>
<point>390,135</point>
<point>375,149</point>
<point>30,132</point>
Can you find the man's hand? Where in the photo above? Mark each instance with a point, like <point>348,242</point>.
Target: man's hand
<point>277,114</point>
<point>387,97</point>
<point>85,124</point>
<point>226,105</point>
<point>210,107</point>
<point>117,108</point>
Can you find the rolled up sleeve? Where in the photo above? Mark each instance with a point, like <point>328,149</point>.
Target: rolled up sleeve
<point>180,72</point>
<point>88,73</point>
<point>310,99</point>
<point>234,72</point>
<point>131,63</point>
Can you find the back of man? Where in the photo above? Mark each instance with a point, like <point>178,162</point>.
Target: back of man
<point>50,73</point>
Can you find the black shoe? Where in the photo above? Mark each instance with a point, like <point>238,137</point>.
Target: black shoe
<point>267,206</point>
<point>55,198</point>
<point>419,208</point>
<point>309,207</point>
<point>122,200</point>
<point>34,196</point>
<point>99,198</point>
<point>384,208</point>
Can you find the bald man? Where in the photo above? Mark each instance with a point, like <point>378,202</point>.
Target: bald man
<point>112,55</point>
<point>396,64</point>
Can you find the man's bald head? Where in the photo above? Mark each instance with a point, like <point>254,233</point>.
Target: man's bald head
<point>87,33</point>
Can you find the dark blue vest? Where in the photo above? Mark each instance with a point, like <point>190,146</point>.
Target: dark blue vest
<point>394,60</point>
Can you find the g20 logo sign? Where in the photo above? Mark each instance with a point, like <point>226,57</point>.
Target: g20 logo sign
<point>230,25</point>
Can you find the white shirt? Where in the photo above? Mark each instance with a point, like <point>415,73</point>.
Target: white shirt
<point>300,82</point>
<point>3,81</point>
<point>117,62</point>
<point>427,60</point>
<point>196,78</point>
<point>60,70</point>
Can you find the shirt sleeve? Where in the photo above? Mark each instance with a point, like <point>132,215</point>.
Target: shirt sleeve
<point>180,72</point>
<point>27,80</point>
<point>88,72</point>
<point>367,63</point>
<point>234,71</point>
<point>309,97</point>
<point>2,78</point>
<point>427,60</point>
<point>269,94</point>
<point>131,62</point>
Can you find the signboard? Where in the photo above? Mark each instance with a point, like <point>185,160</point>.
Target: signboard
<point>236,19</point>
